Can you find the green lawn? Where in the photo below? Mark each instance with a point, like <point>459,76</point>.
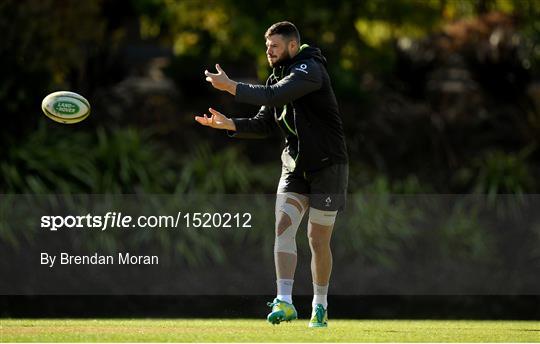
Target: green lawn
<point>198,330</point>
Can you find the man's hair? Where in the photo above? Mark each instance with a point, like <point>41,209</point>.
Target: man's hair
<point>284,28</point>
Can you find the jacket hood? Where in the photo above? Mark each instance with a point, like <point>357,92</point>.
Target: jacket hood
<point>308,52</point>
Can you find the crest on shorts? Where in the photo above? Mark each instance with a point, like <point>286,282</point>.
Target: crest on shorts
<point>328,200</point>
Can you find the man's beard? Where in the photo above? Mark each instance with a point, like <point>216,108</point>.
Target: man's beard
<point>281,60</point>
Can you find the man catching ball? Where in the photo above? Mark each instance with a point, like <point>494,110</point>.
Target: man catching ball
<point>299,99</point>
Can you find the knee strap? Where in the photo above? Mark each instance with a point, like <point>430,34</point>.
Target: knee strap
<point>286,241</point>
<point>322,217</point>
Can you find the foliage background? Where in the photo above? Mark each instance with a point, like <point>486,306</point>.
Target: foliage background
<point>437,97</point>
<point>440,93</point>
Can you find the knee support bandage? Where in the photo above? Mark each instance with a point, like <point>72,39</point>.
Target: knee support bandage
<point>286,237</point>
<point>322,217</point>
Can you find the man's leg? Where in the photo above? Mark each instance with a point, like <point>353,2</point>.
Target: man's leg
<point>321,254</point>
<point>328,195</point>
<point>290,208</point>
<point>320,227</point>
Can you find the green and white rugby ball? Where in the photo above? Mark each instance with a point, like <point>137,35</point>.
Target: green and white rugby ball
<point>65,107</point>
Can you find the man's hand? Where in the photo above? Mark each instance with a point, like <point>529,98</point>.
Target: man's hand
<point>221,81</point>
<point>217,120</point>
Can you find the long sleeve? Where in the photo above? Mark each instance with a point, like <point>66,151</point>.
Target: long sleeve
<point>305,77</point>
<point>258,127</point>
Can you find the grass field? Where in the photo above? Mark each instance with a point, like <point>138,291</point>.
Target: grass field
<point>232,330</point>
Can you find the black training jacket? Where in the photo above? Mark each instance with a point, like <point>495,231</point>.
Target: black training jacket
<point>302,90</point>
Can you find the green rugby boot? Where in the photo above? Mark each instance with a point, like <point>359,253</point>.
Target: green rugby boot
<point>281,311</point>
<point>319,317</point>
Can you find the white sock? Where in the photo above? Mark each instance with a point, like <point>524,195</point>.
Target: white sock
<point>320,295</point>
<point>284,289</point>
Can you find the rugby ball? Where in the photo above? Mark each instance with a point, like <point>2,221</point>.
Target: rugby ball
<point>65,107</point>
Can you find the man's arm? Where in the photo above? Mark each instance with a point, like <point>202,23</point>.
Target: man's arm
<point>260,126</point>
<point>305,77</point>
<point>300,82</point>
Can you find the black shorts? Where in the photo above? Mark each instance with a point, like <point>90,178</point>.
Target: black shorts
<point>326,188</point>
